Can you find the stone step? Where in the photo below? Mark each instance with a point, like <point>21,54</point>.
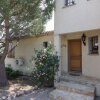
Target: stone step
<point>76,88</point>
<point>62,95</point>
<point>78,79</point>
<point>88,81</point>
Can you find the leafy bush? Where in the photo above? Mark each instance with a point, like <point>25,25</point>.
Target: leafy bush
<point>46,65</point>
<point>12,74</point>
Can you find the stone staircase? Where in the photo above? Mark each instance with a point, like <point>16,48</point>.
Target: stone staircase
<point>72,91</point>
<point>76,88</point>
<point>83,80</point>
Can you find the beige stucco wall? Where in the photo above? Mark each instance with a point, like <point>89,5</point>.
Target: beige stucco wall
<point>84,15</point>
<point>25,50</point>
<point>90,63</point>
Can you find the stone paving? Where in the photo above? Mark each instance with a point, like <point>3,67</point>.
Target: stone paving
<point>62,95</point>
<point>72,91</point>
<point>41,94</point>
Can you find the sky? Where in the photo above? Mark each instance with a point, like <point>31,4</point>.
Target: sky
<point>50,24</point>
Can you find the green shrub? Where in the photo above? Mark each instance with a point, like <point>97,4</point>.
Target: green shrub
<point>46,64</point>
<point>12,74</point>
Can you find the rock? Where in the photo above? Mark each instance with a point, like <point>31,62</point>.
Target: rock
<point>4,97</point>
<point>19,93</point>
<point>9,98</point>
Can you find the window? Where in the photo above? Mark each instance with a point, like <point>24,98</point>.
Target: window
<point>45,44</point>
<point>69,2</point>
<point>11,52</point>
<point>93,45</point>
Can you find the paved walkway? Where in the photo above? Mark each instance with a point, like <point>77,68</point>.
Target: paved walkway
<point>42,94</point>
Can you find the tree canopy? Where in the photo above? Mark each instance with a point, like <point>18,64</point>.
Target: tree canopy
<point>25,15</point>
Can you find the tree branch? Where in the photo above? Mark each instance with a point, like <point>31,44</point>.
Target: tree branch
<point>13,47</point>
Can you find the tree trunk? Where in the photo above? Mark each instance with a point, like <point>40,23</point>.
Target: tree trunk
<point>3,78</point>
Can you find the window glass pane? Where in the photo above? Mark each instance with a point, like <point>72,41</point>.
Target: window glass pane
<point>69,2</point>
<point>93,45</point>
<point>45,44</point>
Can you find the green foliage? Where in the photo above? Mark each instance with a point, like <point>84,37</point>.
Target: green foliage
<point>46,65</point>
<point>12,74</point>
<point>25,16</point>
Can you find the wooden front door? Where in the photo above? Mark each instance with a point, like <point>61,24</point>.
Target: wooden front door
<point>75,56</point>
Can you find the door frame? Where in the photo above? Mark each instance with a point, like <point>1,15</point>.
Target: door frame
<point>69,67</point>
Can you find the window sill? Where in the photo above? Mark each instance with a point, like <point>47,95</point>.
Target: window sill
<point>91,54</point>
<point>68,5</point>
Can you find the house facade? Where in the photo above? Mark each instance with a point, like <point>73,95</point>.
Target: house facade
<point>77,36</point>
<point>21,57</point>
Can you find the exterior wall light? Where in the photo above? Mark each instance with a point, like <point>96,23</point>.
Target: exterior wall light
<point>83,39</point>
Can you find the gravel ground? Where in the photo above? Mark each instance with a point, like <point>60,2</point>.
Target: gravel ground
<point>41,94</point>
<point>24,90</point>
